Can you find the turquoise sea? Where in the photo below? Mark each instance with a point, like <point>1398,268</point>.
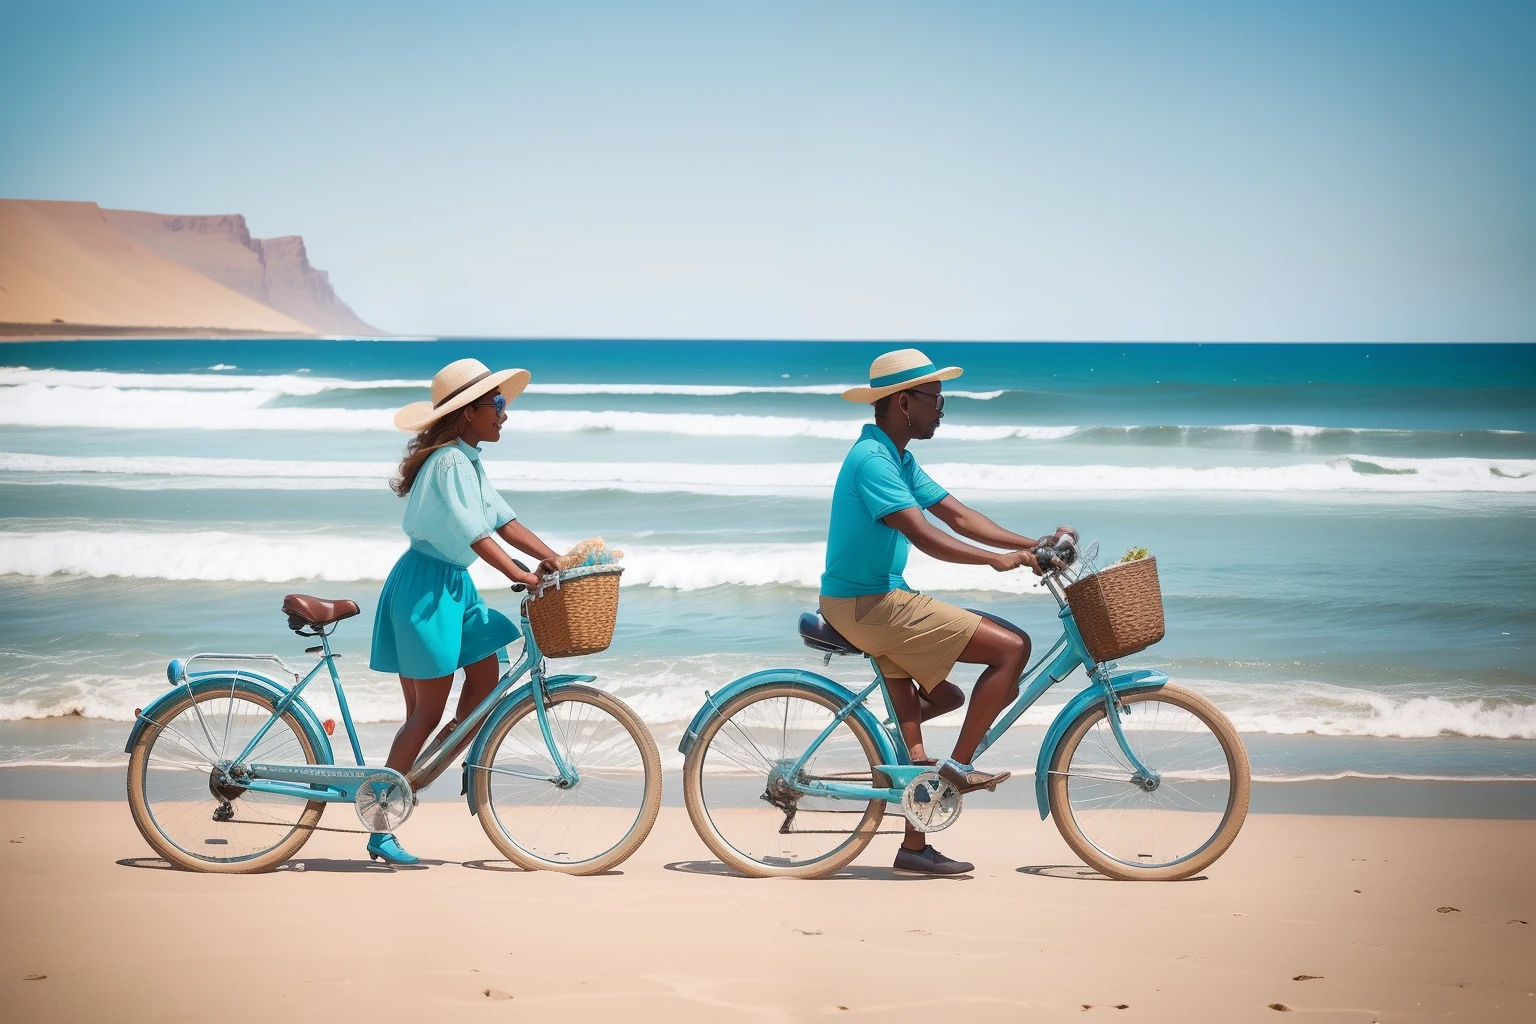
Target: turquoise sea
<point>1346,534</point>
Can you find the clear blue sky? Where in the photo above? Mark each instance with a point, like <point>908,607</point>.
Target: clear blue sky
<point>1243,171</point>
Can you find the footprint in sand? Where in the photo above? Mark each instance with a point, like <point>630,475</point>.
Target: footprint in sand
<point>496,993</point>
<point>1516,920</point>
<point>1280,1006</point>
<point>1447,910</point>
<point>802,931</point>
<point>1308,977</point>
<point>34,977</point>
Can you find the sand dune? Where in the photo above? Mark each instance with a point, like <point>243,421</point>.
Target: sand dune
<point>71,269</point>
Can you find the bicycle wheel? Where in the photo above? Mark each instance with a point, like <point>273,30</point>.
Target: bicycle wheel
<point>1170,830</point>
<point>733,784</point>
<point>177,798</point>
<point>591,826</point>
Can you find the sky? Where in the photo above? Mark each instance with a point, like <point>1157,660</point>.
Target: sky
<point>1299,171</point>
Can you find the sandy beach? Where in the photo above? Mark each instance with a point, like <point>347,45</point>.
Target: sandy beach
<point>1338,918</point>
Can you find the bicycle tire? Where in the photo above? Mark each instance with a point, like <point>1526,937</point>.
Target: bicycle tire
<point>139,801</point>
<point>704,824</point>
<point>524,854</point>
<point>1222,836</point>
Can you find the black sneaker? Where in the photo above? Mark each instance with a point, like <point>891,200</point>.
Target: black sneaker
<point>929,862</point>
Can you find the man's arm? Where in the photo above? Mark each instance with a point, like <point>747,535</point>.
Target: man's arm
<point>936,543</point>
<point>969,523</point>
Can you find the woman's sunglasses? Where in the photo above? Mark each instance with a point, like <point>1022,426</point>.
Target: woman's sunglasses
<point>497,402</point>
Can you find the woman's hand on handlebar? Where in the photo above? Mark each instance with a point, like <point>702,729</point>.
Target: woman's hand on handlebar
<point>547,566</point>
<point>1062,531</point>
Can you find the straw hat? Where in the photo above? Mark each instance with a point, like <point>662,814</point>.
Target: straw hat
<point>457,385</point>
<point>897,371</point>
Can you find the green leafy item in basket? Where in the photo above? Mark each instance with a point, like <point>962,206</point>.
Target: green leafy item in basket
<point>1135,554</point>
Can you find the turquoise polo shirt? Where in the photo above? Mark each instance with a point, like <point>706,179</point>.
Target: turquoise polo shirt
<point>864,556</point>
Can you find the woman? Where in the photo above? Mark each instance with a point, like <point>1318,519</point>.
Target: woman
<point>431,619</point>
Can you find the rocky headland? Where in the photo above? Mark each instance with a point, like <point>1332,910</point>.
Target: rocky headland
<point>76,270</point>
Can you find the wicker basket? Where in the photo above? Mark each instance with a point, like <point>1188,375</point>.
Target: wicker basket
<point>574,611</point>
<point>1119,611</point>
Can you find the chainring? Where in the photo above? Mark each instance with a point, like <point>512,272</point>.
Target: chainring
<point>931,803</point>
<point>383,803</point>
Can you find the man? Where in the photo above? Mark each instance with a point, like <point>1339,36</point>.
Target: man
<point>878,510</point>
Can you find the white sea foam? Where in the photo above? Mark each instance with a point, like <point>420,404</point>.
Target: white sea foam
<point>667,692</point>
<point>1349,473</point>
<point>253,558</point>
<point>293,384</point>
<point>113,407</point>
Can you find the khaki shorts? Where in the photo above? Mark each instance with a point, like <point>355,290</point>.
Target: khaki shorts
<point>910,635</point>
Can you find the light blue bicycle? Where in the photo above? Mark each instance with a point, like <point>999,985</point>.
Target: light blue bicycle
<point>231,770</point>
<point>789,773</point>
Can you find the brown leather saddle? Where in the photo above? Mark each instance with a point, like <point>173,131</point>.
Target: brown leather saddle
<point>314,613</point>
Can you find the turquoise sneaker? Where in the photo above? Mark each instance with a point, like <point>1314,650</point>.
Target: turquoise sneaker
<point>383,846</point>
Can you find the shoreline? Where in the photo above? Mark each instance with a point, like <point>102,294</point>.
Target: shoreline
<point>1346,918</point>
<point>1511,800</point>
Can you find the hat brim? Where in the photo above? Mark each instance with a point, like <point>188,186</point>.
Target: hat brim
<point>868,396</point>
<point>419,415</point>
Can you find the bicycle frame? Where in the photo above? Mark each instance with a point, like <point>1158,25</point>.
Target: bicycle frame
<point>1064,657</point>
<point>334,783</point>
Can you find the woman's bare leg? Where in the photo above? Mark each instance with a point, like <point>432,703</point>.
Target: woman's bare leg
<point>479,680</point>
<point>422,715</point>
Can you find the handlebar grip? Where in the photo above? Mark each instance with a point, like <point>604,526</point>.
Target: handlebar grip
<point>518,588</point>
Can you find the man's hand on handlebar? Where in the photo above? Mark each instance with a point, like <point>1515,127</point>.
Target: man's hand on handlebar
<point>1009,560</point>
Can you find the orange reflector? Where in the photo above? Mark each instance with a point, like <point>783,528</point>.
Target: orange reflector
<point>330,726</point>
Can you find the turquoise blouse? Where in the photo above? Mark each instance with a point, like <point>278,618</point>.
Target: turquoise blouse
<point>452,505</point>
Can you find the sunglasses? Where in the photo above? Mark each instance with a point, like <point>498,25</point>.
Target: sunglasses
<point>938,400</point>
<point>497,402</point>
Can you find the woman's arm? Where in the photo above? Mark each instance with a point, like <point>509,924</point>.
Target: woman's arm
<point>497,558</point>
<point>522,538</point>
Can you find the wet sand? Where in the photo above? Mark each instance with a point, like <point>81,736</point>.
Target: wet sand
<point>1336,917</point>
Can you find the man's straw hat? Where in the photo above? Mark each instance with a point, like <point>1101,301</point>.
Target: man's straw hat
<point>457,385</point>
<point>897,371</point>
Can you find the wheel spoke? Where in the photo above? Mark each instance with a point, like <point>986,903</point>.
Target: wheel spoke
<point>1174,818</point>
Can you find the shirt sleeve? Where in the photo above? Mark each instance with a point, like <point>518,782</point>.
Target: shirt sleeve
<point>500,510</point>
<point>880,486</point>
<point>924,489</point>
<point>458,492</point>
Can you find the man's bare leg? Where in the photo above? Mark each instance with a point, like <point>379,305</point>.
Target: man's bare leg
<point>913,706</point>
<point>1004,653</point>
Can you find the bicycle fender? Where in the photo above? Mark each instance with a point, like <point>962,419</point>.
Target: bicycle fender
<point>502,709</point>
<point>810,680</point>
<point>243,682</point>
<point>1129,681</point>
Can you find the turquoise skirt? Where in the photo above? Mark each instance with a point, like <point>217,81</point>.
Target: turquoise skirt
<point>431,620</point>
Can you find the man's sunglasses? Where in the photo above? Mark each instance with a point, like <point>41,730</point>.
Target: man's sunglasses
<point>938,400</point>
<point>497,402</point>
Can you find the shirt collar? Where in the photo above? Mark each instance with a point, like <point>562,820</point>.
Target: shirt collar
<point>871,431</point>
<point>470,450</point>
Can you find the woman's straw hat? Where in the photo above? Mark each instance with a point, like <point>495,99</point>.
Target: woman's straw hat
<point>457,385</point>
<point>897,371</point>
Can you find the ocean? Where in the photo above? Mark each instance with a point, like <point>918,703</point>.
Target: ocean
<point>1346,534</point>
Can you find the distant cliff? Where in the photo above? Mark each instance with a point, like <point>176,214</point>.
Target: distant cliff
<point>273,271</point>
<point>70,269</point>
